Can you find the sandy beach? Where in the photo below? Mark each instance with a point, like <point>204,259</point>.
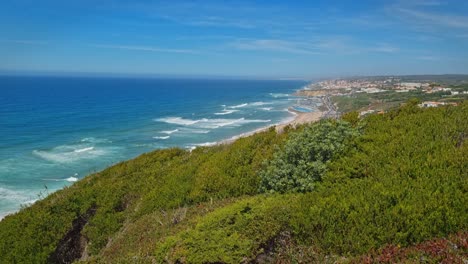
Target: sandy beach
<point>300,118</point>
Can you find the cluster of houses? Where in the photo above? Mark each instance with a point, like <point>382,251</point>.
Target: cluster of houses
<point>435,104</point>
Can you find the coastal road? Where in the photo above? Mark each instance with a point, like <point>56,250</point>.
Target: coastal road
<point>332,111</point>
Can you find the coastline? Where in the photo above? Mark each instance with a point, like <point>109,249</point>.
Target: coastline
<point>95,145</point>
<point>299,118</point>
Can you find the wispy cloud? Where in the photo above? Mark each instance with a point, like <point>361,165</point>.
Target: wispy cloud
<point>24,42</point>
<point>428,58</point>
<point>344,45</point>
<point>385,48</point>
<point>145,48</point>
<point>421,3</point>
<point>215,21</point>
<point>204,14</point>
<point>336,44</point>
<point>273,45</point>
<point>437,19</point>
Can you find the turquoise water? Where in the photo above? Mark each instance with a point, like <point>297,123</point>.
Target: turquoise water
<point>302,109</point>
<point>56,130</point>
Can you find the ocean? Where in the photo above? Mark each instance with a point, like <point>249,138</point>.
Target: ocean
<point>56,130</point>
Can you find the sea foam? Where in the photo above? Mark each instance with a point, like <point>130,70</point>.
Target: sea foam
<point>169,132</point>
<point>279,95</point>
<point>194,131</point>
<point>12,195</point>
<point>260,103</point>
<point>239,105</point>
<point>165,137</point>
<point>208,123</point>
<point>95,140</point>
<point>226,112</point>
<point>266,108</point>
<point>70,153</point>
<point>83,149</point>
<point>71,179</point>
<point>177,121</point>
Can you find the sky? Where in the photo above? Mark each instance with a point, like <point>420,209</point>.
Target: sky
<point>278,39</point>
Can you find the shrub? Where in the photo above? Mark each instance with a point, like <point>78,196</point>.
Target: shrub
<point>304,158</point>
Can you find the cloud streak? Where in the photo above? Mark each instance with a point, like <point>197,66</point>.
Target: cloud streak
<point>145,48</point>
<point>273,45</point>
<point>421,17</point>
<point>25,42</point>
<point>428,58</point>
<point>385,48</point>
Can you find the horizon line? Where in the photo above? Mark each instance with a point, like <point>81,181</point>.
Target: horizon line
<point>202,76</point>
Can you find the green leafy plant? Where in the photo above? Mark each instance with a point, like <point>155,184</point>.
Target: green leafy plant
<point>304,158</point>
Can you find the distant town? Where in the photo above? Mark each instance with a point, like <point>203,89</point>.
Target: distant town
<point>371,94</point>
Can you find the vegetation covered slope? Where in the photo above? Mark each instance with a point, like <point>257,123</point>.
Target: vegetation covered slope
<point>399,178</point>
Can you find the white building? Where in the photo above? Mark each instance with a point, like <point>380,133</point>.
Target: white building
<point>410,85</point>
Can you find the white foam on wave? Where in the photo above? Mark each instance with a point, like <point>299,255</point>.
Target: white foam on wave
<point>95,140</point>
<point>29,202</point>
<point>195,131</point>
<point>218,123</point>
<point>48,179</point>
<point>248,121</point>
<point>205,144</point>
<point>291,112</point>
<point>266,108</point>
<point>165,137</point>
<point>83,149</point>
<point>70,153</point>
<point>239,105</point>
<point>260,103</point>
<point>226,112</point>
<point>169,132</point>
<point>12,195</point>
<point>279,95</point>
<point>71,179</point>
<point>207,123</point>
<point>13,199</point>
<point>177,121</point>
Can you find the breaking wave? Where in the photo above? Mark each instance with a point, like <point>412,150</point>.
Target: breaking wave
<point>239,105</point>
<point>165,137</point>
<point>226,112</point>
<point>210,123</point>
<point>266,108</point>
<point>71,179</point>
<point>12,195</point>
<point>169,132</point>
<point>70,153</point>
<point>279,95</point>
<point>260,103</point>
<point>177,121</point>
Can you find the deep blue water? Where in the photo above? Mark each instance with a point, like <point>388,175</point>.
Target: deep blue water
<point>54,130</point>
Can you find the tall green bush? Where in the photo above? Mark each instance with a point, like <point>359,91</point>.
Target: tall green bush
<point>304,159</point>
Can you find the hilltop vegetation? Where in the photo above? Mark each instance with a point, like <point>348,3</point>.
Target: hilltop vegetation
<point>338,190</point>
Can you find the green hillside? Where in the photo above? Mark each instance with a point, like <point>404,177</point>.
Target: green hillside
<point>334,191</point>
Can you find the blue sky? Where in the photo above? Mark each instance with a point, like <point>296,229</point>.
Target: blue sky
<point>279,39</point>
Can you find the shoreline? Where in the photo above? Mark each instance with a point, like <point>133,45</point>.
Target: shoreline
<point>299,118</point>
<point>295,118</point>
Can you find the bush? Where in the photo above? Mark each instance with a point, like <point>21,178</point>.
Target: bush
<point>236,233</point>
<point>304,159</point>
